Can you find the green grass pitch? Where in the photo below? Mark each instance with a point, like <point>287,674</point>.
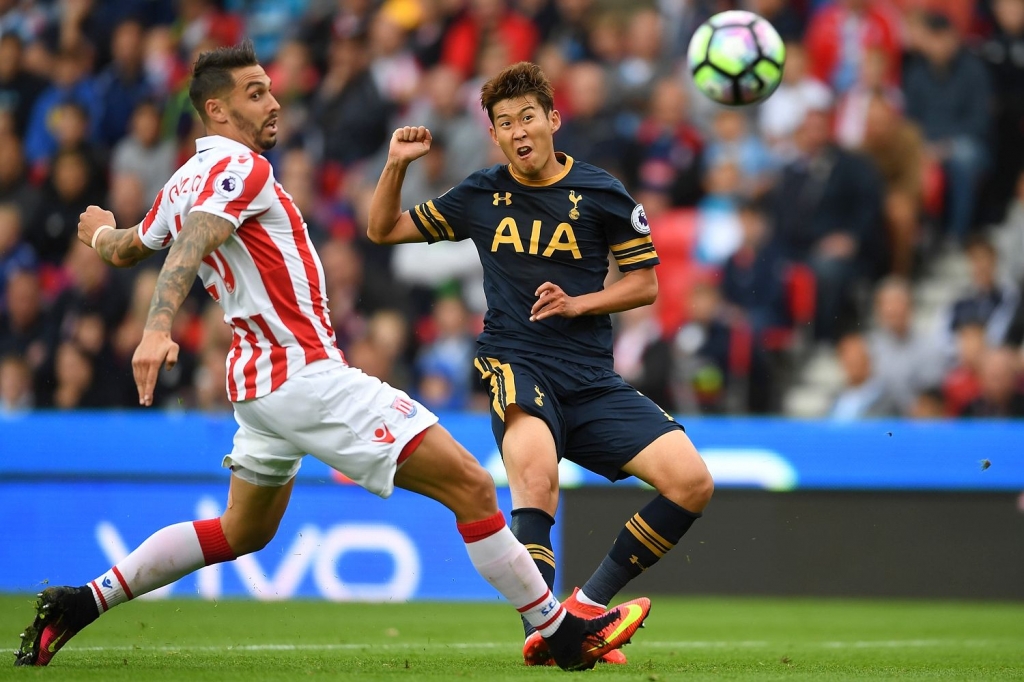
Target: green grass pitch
<point>685,640</point>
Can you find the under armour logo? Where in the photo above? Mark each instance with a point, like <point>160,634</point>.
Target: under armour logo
<point>539,400</point>
<point>106,583</point>
<point>507,198</point>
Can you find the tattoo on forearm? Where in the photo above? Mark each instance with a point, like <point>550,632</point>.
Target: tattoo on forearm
<point>202,234</point>
<point>121,249</point>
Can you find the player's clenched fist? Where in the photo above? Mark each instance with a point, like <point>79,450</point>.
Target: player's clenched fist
<point>409,143</point>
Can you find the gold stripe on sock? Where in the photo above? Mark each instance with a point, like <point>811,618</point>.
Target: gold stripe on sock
<point>640,534</point>
<point>541,553</point>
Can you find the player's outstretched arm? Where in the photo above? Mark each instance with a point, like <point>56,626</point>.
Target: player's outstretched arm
<point>120,248</point>
<point>387,223</point>
<point>636,288</point>
<point>201,234</point>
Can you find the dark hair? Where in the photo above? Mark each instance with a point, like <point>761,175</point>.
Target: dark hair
<point>518,80</point>
<point>211,74</point>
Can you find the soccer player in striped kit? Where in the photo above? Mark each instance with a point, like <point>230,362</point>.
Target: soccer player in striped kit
<point>226,219</point>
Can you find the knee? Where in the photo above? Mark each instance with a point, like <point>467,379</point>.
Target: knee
<point>472,490</point>
<point>248,538</point>
<point>691,490</point>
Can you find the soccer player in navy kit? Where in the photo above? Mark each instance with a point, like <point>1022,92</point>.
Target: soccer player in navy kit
<point>544,224</point>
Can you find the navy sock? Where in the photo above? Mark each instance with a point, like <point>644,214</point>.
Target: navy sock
<point>532,527</point>
<point>651,532</point>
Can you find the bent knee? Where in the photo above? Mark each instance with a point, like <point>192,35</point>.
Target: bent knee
<point>691,489</point>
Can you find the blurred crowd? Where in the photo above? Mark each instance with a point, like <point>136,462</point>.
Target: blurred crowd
<point>806,223</point>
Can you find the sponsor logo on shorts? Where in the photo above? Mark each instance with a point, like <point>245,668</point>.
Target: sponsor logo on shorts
<point>383,435</point>
<point>405,406</point>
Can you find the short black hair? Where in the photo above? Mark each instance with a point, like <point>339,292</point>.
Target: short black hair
<point>211,74</point>
<point>519,80</point>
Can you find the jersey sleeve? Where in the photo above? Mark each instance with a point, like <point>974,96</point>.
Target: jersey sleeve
<point>627,230</point>
<point>155,230</point>
<point>442,219</point>
<point>237,188</point>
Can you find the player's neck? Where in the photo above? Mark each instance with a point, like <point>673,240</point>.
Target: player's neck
<point>233,135</point>
<point>550,172</point>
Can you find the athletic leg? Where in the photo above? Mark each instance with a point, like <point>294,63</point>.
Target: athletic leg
<point>672,465</point>
<point>249,523</point>
<point>440,468</point>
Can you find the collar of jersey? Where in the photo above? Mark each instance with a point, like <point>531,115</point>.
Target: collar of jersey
<point>205,144</point>
<point>562,156</point>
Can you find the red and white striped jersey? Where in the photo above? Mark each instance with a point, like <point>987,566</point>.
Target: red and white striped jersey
<point>267,276</point>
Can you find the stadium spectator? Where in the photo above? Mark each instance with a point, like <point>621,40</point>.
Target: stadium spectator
<point>864,393</point>
<point>440,105</point>
<point>1000,386</point>
<point>852,108</point>
<point>15,385</point>
<point>907,361</point>
<point>989,300</point>
<point>840,33</point>
<point>487,23</point>
<point>588,131</point>
<point>962,384</point>
<point>826,210</point>
<point>949,95</point>
<point>643,356</point>
<point>18,88</point>
<point>66,194</point>
<point>24,329</point>
<point>15,187</point>
<point>667,149</point>
<point>444,366</point>
<point>781,114</point>
<point>143,153</point>
<point>71,83</point>
<point>896,147</point>
<point>1003,53</point>
<point>349,108</point>
<point>15,254</point>
<point>393,65</point>
<point>122,84</point>
<point>642,68</point>
<point>704,382</point>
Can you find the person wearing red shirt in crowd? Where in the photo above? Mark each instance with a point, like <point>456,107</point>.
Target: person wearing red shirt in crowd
<point>841,33</point>
<point>488,21</point>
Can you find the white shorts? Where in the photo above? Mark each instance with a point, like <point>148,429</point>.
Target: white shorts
<point>350,421</point>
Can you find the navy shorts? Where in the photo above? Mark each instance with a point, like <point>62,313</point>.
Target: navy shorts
<point>598,420</point>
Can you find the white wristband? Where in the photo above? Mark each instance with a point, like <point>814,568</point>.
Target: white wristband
<point>97,234</point>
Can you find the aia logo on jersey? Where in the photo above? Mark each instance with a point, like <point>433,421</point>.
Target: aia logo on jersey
<point>228,185</point>
<point>405,406</point>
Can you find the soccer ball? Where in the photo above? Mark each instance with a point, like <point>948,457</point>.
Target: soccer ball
<point>736,58</point>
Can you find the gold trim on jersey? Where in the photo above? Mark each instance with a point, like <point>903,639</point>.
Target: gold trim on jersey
<point>631,244</point>
<point>561,156</point>
<point>503,383</point>
<point>636,259</point>
<point>441,221</point>
<point>427,223</point>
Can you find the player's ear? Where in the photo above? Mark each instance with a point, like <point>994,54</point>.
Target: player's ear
<point>556,120</point>
<point>216,111</point>
<point>494,136</point>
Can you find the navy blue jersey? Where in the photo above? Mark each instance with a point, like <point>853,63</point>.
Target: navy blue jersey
<point>559,230</point>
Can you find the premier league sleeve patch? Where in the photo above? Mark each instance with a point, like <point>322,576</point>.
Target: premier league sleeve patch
<point>639,220</point>
<point>229,185</point>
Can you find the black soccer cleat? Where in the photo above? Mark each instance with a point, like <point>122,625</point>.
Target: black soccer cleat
<point>584,642</point>
<point>61,613</point>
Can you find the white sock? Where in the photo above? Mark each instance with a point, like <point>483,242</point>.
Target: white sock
<point>165,556</point>
<point>507,566</point>
<point>584,599</point>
